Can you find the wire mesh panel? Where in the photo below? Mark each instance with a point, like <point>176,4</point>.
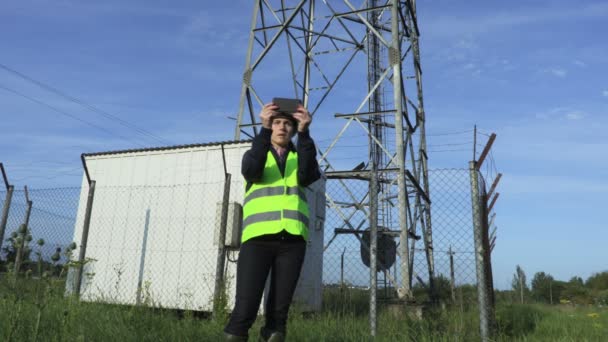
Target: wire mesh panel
<point>157,244</point>
<point>153,243</point>
<point>46,243</point>
<point>454,245</point>
<point>452,236</point>
<point>347,210</point>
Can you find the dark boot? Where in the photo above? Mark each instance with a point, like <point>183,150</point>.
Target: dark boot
<point>234,338</point>
<point>275,336</point>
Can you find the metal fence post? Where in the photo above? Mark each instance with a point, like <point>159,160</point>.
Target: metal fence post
<point>85,237</point>
<point>5,212</point>
<point>142,260</point>
<point>218,291</point>
<point>373,249</point>
<point>485,240</point>
<point>452,277</point>
<point>342,270</point>
<point>483,297</point>
<point>23,230</point>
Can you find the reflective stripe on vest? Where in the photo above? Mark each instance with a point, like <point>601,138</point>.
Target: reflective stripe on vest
<point>274,191</point>
<point>274,216</point>
<point>276,202</point>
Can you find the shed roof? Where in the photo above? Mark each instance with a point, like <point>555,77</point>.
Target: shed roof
<point>166,148</point>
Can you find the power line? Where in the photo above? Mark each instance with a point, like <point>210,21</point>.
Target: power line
<point>451,144</point>
<point>86,105</point>
<point>68,114</point>
<point>449,133</point>
<point>342,137</point>
<point>40,162</point>
<point>483,133</point>
<point>46,212</point>
<point>346,146</point>
<point>57,174</point>
<point>30,165</point>
<point>457,150</point>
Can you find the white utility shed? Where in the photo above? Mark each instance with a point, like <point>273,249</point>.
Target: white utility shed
<point>153,224</point>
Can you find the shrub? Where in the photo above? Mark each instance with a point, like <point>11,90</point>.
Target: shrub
<point>517,320</point>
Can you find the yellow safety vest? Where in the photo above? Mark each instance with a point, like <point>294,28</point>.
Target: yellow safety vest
<point>276,202</point>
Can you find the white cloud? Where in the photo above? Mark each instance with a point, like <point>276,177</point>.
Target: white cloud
<point>580,63</point>
<point>200,126</point>
<point>204,33</point>
<point>547,184</point>
<point>561,113</point>
<point>450,26</point>
<point>202,22</point>
<point>466,43</point>
<point>86,9</point>
<point>473,68</point>
<point>605,93</point>
<point>563,142</point>
<point>456,51</point>
<point>575,115</point>
<point>557,72</point>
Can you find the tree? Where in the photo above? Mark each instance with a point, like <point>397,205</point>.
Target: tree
<point>576,280</point>
<point>598,281</point>
<point>519,283</point>
<point>575,291</point>
<point>542,288</point>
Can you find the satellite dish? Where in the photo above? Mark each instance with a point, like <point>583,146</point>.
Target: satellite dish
<point>386,253</point>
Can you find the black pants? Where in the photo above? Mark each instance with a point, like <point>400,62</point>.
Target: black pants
<point>281,254</point>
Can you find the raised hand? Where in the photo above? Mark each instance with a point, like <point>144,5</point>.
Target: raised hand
<point>303,117</point>
<point>268,111</point>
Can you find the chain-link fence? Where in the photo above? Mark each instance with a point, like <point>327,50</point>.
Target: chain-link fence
<point>39,230</point>
<point>152,243</point>
<point>453,233</point>
<point>346,256</point>
<point>157,244</point>
<point>459,217</point>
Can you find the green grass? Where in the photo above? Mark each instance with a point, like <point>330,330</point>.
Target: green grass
<point>573,324</point>
<point>344,318</point>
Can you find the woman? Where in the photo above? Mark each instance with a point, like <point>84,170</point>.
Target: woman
<point>275,221</point>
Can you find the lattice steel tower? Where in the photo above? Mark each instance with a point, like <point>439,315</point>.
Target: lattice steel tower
<point>344,56</point>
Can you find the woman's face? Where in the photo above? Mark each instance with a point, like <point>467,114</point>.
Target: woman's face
<point>282,131</point>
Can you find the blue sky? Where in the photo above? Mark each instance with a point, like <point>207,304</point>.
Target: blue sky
<point>531,71</point>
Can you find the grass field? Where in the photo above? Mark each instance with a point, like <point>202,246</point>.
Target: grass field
<point>35,310</point>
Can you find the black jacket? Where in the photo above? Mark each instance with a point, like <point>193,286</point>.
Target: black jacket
<point>254,159</point>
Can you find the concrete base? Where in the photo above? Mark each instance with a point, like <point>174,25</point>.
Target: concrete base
<point>410,309</point>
